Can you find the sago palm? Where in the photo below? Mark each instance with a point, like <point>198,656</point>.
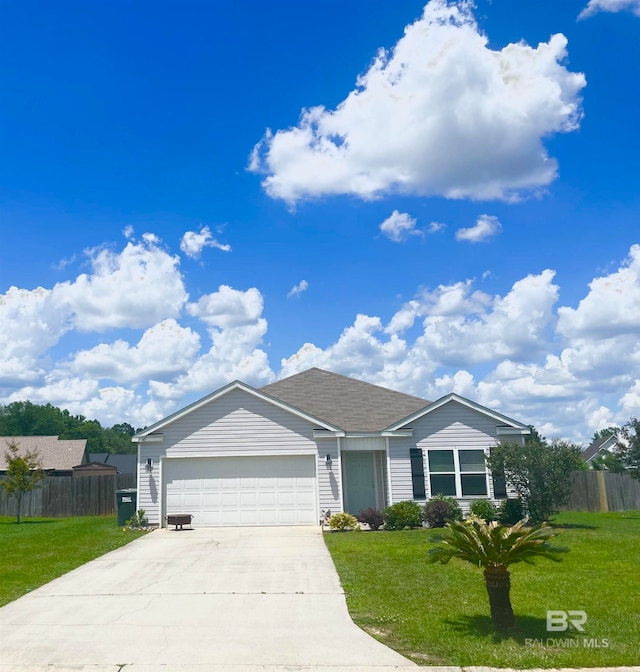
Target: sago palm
<point>494,548</point>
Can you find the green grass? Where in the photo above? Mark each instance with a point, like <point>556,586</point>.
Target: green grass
<point>41,549</point>
<point>439,614</point>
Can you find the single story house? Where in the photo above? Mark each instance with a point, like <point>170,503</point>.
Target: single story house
<point>288,452</point>
<point>58,456</point>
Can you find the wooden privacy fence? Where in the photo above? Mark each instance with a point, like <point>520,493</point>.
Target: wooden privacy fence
<point>603,491</point>
<point>65,496</point>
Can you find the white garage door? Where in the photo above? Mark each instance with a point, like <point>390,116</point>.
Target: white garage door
<point>242,490</point>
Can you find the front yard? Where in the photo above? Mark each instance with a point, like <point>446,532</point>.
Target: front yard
<point>41,549</point>
<point>439,614</point>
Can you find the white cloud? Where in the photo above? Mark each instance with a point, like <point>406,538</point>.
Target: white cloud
<point>612,306</point>
<point>461,326</point>
<point>134,288</point>
<point>30,324</point>
<point>193,243</point>
<point>399,226</point>
<point>164,349</point>
<point>296,290</point>
<point>228,307</point>
<point>236,329</point>
<point>595,6</point>
<point>485,227</point>
<point>434,227</point>
<point>441,114</point>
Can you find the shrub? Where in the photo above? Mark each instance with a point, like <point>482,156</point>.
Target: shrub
<point>511,511</point>
<point>483,508</point>
<point>440,510</point>
<point>343,522</point>
<point>402,515</point>
<point>372,517</point>
<point>138,520</point>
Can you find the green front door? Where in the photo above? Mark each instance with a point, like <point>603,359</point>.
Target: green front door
<point>359,480</point>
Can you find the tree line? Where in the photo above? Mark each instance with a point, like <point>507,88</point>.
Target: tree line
<point>23,418</point>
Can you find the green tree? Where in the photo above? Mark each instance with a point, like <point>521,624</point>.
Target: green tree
<point>628,447</point>
<point>540,472</point>
<point>494,548</point>
<point>612,462</point>
<point>22,418</point>
<point>24,473</point>
<point>605,433</point>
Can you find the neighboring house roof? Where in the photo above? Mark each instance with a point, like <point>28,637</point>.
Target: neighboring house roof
<point>352,405</point>
<point>125,463</point>
<point>57,454</point>
<point>95,466</point>
<point>605,443</point>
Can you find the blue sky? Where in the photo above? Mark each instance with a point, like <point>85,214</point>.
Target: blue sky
<point>436,198</point>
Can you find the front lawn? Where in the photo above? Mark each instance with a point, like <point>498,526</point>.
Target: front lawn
<point>439,614</point>
<point>41,549</point>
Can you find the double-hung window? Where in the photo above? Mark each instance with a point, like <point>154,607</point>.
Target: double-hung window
<point>458,472</point>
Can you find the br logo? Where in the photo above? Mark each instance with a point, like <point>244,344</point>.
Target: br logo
<point>559,621</point>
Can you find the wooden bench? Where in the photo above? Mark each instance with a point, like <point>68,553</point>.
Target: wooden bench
<point>179,519</point>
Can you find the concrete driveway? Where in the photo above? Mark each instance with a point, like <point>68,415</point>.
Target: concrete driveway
<point>235,599</point>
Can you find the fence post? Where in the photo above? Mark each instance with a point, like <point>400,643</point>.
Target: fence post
<point>602,491</point>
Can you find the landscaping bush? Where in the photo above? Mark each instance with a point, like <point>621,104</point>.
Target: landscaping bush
<point>138,521</point>
<point>343,522</point>
<point>402,515</point>
<point>511,511</point>
<point>483,508</point>
<point>440,510</point>
<point>372,517</point>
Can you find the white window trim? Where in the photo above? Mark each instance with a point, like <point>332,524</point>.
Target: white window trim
<point>457,473</point>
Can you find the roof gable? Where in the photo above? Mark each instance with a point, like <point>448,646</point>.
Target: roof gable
<point>456,398</point>
<point>604,443</point>
<point>349,404</point>
<point>236,385</point>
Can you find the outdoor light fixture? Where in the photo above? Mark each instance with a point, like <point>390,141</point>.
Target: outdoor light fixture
<point>327,460</point>
<point>149,464</point>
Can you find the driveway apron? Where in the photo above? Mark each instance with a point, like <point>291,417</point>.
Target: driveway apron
<point>205,597</point>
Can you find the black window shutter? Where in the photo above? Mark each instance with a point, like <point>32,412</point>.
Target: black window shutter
<point>417,473</point>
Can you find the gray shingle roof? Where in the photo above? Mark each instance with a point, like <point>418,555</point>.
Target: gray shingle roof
<point>347,403</point>
<point>60,454</point>
<point>125,463</point>
<point>594,448</point>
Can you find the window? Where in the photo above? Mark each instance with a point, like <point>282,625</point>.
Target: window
<point>458,473</point>
<point>417,473</point>
<point>442,473</point>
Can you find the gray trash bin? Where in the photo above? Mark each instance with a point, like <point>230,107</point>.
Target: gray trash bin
<point>127,502</point>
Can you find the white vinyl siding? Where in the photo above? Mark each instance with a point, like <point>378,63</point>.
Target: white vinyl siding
<point>329,478</point>
<point>234,424</point>
<point>400,468</point>
<point>238,422</point>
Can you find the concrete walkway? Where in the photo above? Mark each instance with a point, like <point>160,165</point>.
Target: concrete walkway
<point>209,600</point>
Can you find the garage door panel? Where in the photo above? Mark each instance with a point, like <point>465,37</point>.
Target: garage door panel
<point>242,491</point>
